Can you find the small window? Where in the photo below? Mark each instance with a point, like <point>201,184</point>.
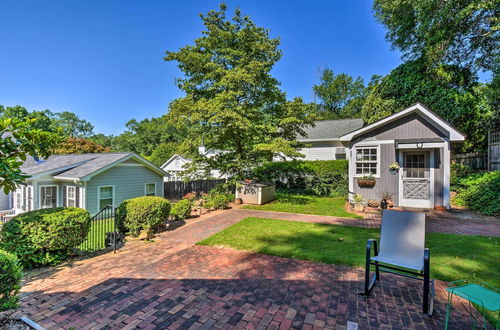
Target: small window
<point>71,196</point>
<point>105,197</point>
<point>150,189</point>
<point>48,196</point>
<point>366,161</point>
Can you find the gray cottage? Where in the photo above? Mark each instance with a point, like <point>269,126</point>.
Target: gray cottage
<point>418,142</point>
<point>88,181</point>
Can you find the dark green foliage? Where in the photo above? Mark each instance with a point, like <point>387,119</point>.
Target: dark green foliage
<point>323,177</point>
<point>10,280</point>
<point>480,192</point>
<point>45,237</point>
<point>142,213</point>
<point>181,210</point>
<point>458,172</point>
<point>218,201</point>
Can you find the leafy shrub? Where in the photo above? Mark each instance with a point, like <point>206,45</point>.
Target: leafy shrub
<point>458,172</point>
<point>45,237</point>
<point>217,201</point>
<point>142,213</point>
<point>181,210</point>
<point>323,177</point>
<point>480,192</point>
<point>10,280</point>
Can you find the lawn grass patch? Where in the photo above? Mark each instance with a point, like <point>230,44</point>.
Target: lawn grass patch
<point>475,258</point>
<point>306,204</point>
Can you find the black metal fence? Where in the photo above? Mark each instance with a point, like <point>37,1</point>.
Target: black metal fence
<point>103,232</point>
<point>177,189</point>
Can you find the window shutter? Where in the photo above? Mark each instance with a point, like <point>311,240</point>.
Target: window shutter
<point>65,193</point>
<point>77,196</point>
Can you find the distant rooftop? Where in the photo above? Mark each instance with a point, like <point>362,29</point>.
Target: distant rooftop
<point>331,129</point>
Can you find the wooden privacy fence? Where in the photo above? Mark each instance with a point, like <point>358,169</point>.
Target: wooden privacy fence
<point>177,189</point>
<point>476,160</point>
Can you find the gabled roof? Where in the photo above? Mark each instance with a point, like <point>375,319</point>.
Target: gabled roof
<point>330,130</point>
<point>419,108</point>
<point>186,160</point>
<point>80,167</point>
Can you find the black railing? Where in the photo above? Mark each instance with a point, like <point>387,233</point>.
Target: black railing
<point>103,232</point>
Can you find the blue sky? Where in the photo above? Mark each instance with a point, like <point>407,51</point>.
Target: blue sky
<point>102,59</point>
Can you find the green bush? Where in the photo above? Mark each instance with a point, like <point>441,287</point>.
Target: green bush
<point>457,173</point>
<point>217,201</point>
<point>322,177</point>
<point>10,280</point>
<point>181,210</point>
<point>45,237</point>
<point>480,192</point>
<point>142,213</point>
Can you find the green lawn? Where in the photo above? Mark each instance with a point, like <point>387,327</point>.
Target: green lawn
<point>453,257</point>
<point>306,204</point>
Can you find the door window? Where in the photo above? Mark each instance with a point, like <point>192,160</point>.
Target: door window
<point>415,166</point>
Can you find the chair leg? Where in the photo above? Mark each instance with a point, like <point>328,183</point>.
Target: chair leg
<point>369,282</point>
<point>425,307</point>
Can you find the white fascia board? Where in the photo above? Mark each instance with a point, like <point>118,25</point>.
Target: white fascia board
<point>318,140</point>
<point>435,120</point>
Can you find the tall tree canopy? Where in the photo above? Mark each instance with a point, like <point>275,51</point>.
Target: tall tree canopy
<point>18,140</point>
<point>461,32</point>
<point>340,95</point>
<point>232,102</point>
<point>79,146</point>
<point>452,92</point>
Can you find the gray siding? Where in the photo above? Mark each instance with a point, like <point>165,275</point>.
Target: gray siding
<point>387,182</point>
<point>413,126</point>
<point>4,201</point>
<point>128,182</point>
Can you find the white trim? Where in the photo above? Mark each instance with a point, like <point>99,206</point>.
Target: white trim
<point>446,175</point>
<point>372,142</point>
<point>40,194</point>
<point>435,120</point>
<point>420,145</point>
<point>99,195</point>
<point>83,196</point>
<point>172,158</point>
<point>146,190</point>
<point>412,202</point>
<point>74,199</point>
<point>318,140</point>
<point>67,178</point>
<point>355,161</point>
<point>130,164</point>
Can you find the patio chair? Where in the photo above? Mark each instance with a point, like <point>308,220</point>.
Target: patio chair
<point>402,252</point>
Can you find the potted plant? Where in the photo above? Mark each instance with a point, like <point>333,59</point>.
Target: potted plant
<point>386,199</point>
<point>367,181</point>
<point>359,205</point>
<point>394,168</point>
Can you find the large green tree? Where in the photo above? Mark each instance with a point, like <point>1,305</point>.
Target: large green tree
<point>452,92</point>
<point>232,101</point>
<point>340,95</point>
<point>461,32</point>
<point>19,140</point>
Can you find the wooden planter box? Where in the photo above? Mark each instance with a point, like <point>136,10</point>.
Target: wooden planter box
<point>366,183</point>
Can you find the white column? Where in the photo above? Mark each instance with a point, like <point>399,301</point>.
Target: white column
<point>446,171</point>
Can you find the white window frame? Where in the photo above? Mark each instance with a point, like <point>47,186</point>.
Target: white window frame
<point>146,188</point>
<point>40,194</point>
<point>99,196</point>
<point>74,199</point>
<point>355,161</point>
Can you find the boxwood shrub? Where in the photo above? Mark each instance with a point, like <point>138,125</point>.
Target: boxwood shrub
<point>142,213</point>
<point>45,237</point>
<point>480,192</point>
<point>10,280</point>
<point>181,210</point>
<point>323,178</point>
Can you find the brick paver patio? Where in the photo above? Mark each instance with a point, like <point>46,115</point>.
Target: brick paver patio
<point>172,283</point>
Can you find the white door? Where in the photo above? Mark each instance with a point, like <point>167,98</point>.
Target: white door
<point>416,186</point>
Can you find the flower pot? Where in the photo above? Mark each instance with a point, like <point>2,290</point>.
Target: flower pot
<point>146,234</point>
<point>383,204</point>
<point>393,171</point>
<point>238,201</point>
<point>390,203</point>
<point>359,207</point>
<point>366,183</point>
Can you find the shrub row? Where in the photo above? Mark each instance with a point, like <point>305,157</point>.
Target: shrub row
<point>479,192</point>
<point>142,213</point>
<point>10,280</point>
<point>323,178</point>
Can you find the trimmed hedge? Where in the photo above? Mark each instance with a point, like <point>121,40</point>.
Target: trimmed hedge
<point>480,192</point>
<point>142,213</point>
<point>181,210</point>
<point>322,177</point>
<point>10,281</point>
<point>45,237</point>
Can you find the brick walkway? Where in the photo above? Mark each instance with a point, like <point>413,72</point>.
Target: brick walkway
<point>173,284</point>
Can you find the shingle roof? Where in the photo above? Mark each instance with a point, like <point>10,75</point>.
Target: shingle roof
<point>331,129</point>
<point>73,165</point>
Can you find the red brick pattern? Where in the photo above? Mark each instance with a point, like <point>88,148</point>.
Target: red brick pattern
<point>173,284</point>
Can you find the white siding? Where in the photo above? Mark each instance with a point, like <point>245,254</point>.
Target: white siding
<point>324,150</point>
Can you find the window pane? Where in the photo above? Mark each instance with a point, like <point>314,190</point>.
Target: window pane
<point>150,189</point>
<point>106,192</point>
<point>105,202</point>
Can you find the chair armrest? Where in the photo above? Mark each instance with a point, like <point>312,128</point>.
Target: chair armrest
<point>369,244</point>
